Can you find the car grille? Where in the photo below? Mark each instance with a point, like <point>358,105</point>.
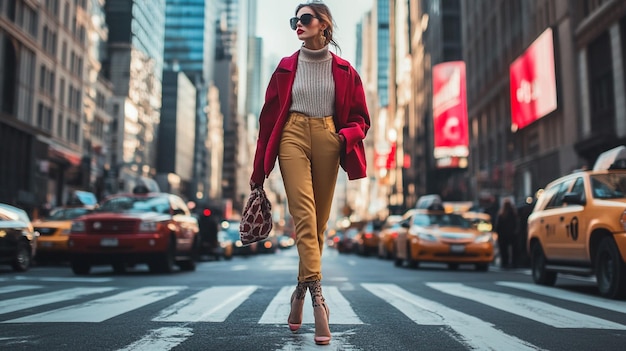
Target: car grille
<point>112,227</point>
<point>45,231</point>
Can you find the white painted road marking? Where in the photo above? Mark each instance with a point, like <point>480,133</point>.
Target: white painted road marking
<point>528,308</point>
<point>105,308</point>
<point>340,310</point>
<point>210,305</point>
<point>14,288</point>
<point>611,305</point>
<point>20,303</point>
<point>474,333</point>
<point>160,339</point>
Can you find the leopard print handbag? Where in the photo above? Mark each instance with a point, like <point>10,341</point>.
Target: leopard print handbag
<point>256,219</point>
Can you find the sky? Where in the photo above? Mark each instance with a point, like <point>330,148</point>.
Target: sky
<point>279,40</point>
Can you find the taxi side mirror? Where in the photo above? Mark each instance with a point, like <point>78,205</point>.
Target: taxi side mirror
<point>573,199</point>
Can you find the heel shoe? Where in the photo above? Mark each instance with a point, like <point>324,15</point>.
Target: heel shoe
<point>321,314</point>
<point>297,304</point>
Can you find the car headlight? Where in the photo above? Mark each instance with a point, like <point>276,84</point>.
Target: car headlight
<point>78,227</point>
<point>427,237</point>
<point>484,238</point>
<point>239,243</point>
<point>148,227</point>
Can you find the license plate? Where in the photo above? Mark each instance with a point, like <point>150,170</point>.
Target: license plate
<point>108,242</point>
<point>457,248</point>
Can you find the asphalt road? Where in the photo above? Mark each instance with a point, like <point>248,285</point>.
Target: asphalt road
<point>243,304</point>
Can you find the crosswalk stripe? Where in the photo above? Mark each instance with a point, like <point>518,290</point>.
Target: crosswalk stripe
<point>340,310</point>
<point>611,305</point>
<point>528,308</point>
<point>20,303</point>
<point>15,288</point>
<point>160,339</point>
<point>210,305</point>
<point>105,308</point>
<point>474,333</point>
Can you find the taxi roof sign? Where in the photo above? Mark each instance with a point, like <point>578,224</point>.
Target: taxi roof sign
<point>611,159</point>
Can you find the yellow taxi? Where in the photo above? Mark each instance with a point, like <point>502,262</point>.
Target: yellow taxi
<point>438,236</point>
<point>54,231</point>
<point>578,226</point>
<point>389,233</point>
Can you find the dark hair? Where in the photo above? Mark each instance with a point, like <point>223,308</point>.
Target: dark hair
<point>322,12</point>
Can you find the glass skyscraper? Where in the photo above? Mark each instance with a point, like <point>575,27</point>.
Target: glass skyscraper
<point>383,52</point>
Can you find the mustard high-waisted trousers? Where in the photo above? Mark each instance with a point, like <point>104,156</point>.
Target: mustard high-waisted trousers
<point>309,161</point>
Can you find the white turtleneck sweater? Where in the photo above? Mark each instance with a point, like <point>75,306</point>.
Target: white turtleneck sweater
<point>313,91</point>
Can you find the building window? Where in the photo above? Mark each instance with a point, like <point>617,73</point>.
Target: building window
<point>602,96</point>
<point>60,126</point>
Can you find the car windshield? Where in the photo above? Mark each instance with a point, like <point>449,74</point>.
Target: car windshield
<point>232,229</point>
<point>132,204</point>
<point>67,213</point>
<point>609,186</point>
<point>444,219</point>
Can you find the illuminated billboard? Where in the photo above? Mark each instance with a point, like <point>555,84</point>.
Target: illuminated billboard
<point>533,82</point>
<point>451,137</point>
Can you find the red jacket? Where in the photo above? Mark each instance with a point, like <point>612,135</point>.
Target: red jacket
<point>351,117</point>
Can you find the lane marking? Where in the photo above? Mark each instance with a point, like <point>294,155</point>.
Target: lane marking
<point>528,308</point>
<point>209,305</point>
<point>611,305</point>
<point>161,339</point>
<point>105,308</point>
<point>470,331</point>
<point>340,310</point>
<point>14,288</point>
<point>20,303</point>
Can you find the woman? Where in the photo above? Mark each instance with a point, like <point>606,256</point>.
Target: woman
<point>314,119</point>
<point>506,226</point>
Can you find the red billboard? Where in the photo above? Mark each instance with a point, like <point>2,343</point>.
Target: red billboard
<point>533,82</point>
<point>451,137</point>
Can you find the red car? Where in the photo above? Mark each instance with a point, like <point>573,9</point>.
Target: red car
<point>142,227</point>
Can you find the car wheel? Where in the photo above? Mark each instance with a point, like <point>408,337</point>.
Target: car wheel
<point>164,263</point>
<point>453,266</point>
<point>80,267</point>
<point>22,259</point>
<point>410,261</point>
<point>541,276</point>
<point>610,270</point>
<point>396,261</point>
<point>119,267</point>
<point>482,267</point>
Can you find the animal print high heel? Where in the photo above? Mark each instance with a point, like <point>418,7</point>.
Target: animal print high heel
<point>321,314</point>
<point>297,304</point>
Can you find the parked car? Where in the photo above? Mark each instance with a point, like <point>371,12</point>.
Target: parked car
<point>18,242</point>
<point>437,236</point>
<point>346,244</point>
<point>131,228</point>
<point>231,227</point>
<point>366,240</point>
<point>578,226</point>
<point>225,246</point>
<point>54,231</point>
<point>269,245</point>
<point>388,235</point>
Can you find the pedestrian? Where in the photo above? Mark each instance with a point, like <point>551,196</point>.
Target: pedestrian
<point>314,119</point>
<point>507,224</point>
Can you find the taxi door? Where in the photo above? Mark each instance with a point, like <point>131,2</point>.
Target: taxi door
<point>553,222</point>
<point>572,227</point>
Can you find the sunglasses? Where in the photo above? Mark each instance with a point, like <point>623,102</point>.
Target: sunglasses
<point>305,19</point>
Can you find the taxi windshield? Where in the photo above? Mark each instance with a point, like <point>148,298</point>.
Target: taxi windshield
<point>67,213</point>
<point>609,186</point>
<point>132,204</point>
<point>445,219</point>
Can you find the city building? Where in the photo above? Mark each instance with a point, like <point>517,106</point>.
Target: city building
<point>52,121</point>
<point>134,65</point>
<point>189,47</point>
<point>177,135</point>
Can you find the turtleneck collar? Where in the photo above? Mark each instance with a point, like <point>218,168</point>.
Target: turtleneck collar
<point>322,54</point>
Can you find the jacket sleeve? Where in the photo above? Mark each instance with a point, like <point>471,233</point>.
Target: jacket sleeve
<point>266,124</point>
<point>358,122</point>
